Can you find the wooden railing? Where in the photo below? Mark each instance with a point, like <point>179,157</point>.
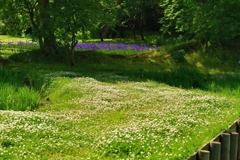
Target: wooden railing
<point>225,146</point>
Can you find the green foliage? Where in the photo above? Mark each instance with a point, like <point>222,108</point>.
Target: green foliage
<point>217,23</point>
<point>77,20</point>
<point>123,149</point>
<point>208,22</point>
<point>176,19</point>
<point>178,50</point>
<point>179,55</point>
<point>14,16</point>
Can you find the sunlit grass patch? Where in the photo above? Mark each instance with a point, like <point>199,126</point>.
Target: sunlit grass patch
<point>7,38</point>
<point>29,135</point>
<point>139,120</point>
<point>160,130</point>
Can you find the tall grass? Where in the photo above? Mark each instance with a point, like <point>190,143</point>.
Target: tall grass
<point>16,92</point>
<point>18,98</point>
<point>226,84</point>
<point>182,77</point>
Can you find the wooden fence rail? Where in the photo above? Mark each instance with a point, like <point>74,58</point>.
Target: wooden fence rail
<point>225,146</point>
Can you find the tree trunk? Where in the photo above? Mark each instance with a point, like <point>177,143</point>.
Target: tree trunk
<point>40,41</point>
<point>72,60</point>
<point>114,33</point>
<point>35,26</point>
<point>100,35</point>
<point>141,30</point>
<point>73,45</point>
<point>134,35</point>
<point>49,40</point>
<point>121,32</point>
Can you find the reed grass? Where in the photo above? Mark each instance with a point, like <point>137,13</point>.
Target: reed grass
<point>16,92</point>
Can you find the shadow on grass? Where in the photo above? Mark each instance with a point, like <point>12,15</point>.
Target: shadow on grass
<point>228,84</point>
<point>138,67</point>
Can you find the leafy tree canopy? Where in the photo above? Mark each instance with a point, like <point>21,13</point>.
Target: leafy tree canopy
<point>214,22</point>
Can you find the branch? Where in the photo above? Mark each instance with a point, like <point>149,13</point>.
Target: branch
<point>27,5</point>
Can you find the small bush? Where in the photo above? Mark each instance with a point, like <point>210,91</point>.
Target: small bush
<point>179,55</point>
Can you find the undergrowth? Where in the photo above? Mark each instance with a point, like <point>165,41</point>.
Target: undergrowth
<point>16,91</point>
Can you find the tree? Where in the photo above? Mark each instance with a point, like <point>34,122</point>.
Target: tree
<point>77,18</point>
<point>59,22</point>
<point>208,22</point>
<point>217,23</point>
<point>107,19</point>
<point>177,18</point>
<point>134,13</point>
<point>46,27</point>
<point>30,13</point>
<point>13,15</point>
<point>74,18</point>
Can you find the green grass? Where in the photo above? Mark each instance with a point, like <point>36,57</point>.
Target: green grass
<point>15,92</point>
<point>111,117</point>
<point>18,98</point>
<point>7,50</point>
<point>158,105</point>
<point>7,38</point>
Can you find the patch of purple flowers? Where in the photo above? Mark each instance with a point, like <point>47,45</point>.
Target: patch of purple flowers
<point>19,43</point>
<point>29,43</point>
<point>114,46</point>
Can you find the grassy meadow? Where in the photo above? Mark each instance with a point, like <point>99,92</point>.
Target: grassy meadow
<point>154,104</point>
